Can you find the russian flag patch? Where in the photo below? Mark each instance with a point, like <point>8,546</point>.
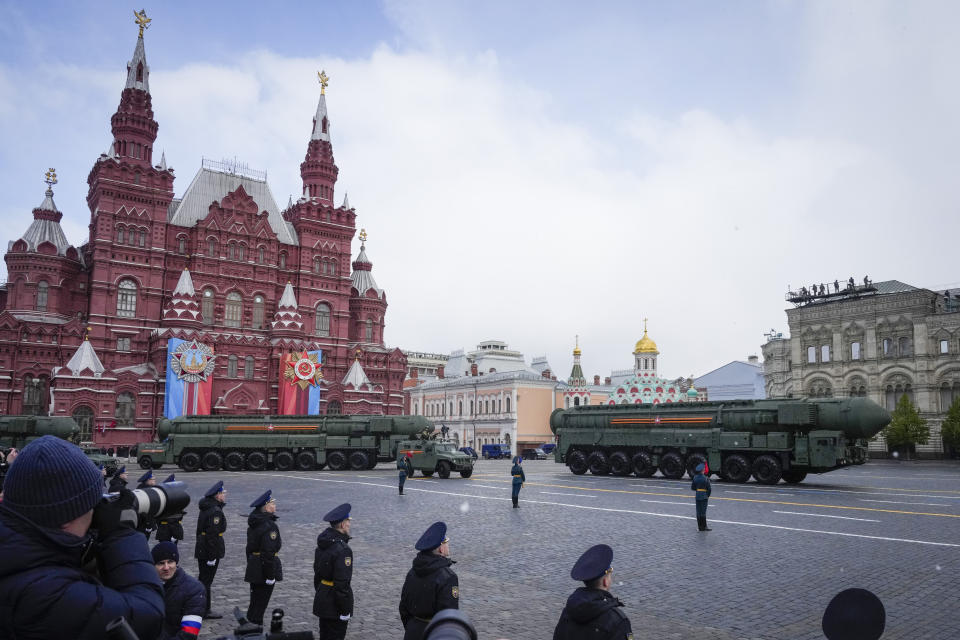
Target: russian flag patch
<point>191,624</point>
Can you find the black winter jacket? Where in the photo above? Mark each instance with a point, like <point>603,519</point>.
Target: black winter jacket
<point>46,591</point>
<point>592,614</point>
<point>263,548</point>
<point>186,602</point>
<point>211,526</point>
<point>431,586</point>
<point>117,483</point>
<point>332,562</point>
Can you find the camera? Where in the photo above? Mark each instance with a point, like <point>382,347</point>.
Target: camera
<point>450,624</point>
<point>156,502</point>
<point>251,631</point>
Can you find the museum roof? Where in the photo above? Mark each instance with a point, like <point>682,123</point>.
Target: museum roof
<point>85,358</point>
<point>893,286</point>
<point>139,55</point>
<point>356,376</point>
<point>362,276</point>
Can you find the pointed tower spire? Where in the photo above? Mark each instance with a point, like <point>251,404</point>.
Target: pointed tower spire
<point>138,73</point>
<point>346,202</point>
<point>163,161</point>
<point>85,359</point>
<point>183,308</point>
<point>362,276</point>
<point>356,376</point>
<point>577,378</point>
<point>318,170</point>
<point>134,129</point>
<point>287,317</point>
<point>46,221</point>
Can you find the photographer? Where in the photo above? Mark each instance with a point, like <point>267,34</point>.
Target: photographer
<point>45,533</point>
<point>5,465</point>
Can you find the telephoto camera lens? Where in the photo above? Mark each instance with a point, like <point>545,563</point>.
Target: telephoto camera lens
<point>450,624</point>
<point>161,500</point>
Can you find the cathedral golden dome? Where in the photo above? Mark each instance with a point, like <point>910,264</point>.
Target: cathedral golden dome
<point>645,344</point>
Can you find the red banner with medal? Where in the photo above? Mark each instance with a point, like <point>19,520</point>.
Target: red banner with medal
<point>300,376</point>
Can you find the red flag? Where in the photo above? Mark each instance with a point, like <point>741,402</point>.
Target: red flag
<point>706,468</point>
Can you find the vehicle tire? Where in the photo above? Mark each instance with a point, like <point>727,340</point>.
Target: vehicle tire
<point>794,477</point>
<point>620,464</point>
<point>233,461</point>
<point>337,461</point>
<point>156,465</point>
<point>643,465</point>
<point>372,456</point>
<point>671,466</point>
<point>283,461</point>
<point>256,461</point>
<point>146,462</point>
<point>190,461</point>
<point>212,461</point>
<point>597,463</point>
<point>358,461</point>
<point>736,468</point>
<point>443,469</point>
<point>693,461</point>
<point>577,462</point>
<point>767,470</point>
<point>306,461</point>
<point>427,474</point>
<point>466,473</point>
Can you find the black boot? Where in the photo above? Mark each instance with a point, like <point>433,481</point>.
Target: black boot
<point>401,490</point>
<point>515,505</point>
<point>705,527</point>
<point>701,525</point>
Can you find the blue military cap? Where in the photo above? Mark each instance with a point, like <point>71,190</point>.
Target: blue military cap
<point>433,537</point>
<point>595,562</point>
<point>854,614</point>
<point>338,513</point>
<point>214,490</point>
<point>700,468</point>
<point>170,478</point>
<point>146,476</point>
<point>262,500</point>
<point>100,466</point>
<point>517,460</point>
<point>121,470</point>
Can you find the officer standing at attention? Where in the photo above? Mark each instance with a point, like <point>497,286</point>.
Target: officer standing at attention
<point>591,612</point>
<point>431,585</point>
<point>184,598</point>
<point>701,484</point>
<point>519,477</point>
<point>332,572</point>
<point>170,528</point>
<point>405,468</point>
<point>146,524</point>
<point>209,549</point>
<point>263,555</point>
<point>119,480</point>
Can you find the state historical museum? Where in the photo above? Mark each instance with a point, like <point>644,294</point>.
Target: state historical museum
<point>254,297</point>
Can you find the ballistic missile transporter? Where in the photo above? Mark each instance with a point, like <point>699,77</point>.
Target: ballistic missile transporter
<point>18,431</point>
<point>254,442</point>
<point>768,439</point>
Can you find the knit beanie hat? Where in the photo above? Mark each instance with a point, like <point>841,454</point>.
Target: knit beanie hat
<point>52,482</point>
<point>165,551</point>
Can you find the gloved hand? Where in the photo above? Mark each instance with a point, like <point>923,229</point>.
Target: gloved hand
<point>114,514</point>
<point>345,618</point>
<point>270,581</point>
<point>211,563</point>
<point>174,541</point>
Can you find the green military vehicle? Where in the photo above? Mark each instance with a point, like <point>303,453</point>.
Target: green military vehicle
<point>18,431</point>
<point>436,456</point>
<point>98,458</point>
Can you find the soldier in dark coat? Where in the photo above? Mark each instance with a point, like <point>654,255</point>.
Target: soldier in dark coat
<point>264,568</point>
<point>591,612</point>
<point>170,527</point>
<point>184,597</point>
<point>701,484</point>
<point>119,480</point>
<point>519,477</point>
<point>405,468</point>
<point>146,524</point>
<point>209,550</point>
<point>332,572</point>
<point>431,585</point>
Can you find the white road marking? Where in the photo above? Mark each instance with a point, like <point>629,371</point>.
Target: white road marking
<point>917,504</point>
<point>634,512</point>
<point>759,493</point>
<point>485,486</point>
<point>823,515</point>
<point>575,495</point>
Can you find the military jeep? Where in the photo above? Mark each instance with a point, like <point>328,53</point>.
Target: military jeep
<point>436,456</point>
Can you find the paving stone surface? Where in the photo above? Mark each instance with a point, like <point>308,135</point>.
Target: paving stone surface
<point>775,557</point>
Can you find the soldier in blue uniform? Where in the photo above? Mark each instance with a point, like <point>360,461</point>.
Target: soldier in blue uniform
<point>170,528</point>
<point>854,614</point>
<point>592,613</point>
<point>119,480</point>
<point>701,484</point>
<point>519,477</point>
<point>405,468</point>
<point>264,568</point>
<point>146,524</point>
<point>431,585</point>
<point>332,573</point>
<point>210,549</point>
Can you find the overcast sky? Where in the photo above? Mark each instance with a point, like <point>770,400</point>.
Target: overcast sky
<point>530,171</point>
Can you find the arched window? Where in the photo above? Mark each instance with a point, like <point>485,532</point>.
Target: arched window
<point>887,347</point>
<point>283,260</point>
<point>126,409</point>
<point>905,346</point>
<point>127,299</point>
<point>211,248</point>
<point>825,353</point>
<point>460,407</point>
<point>143,238</point>
<point>333,268</point>
<point>316,265</point>
<point>334,407</point>
<point>944,346</point>
<point>233,310</point>
<point>811,354</point>
<point>257,312</point>
<point>241,252</point>
<point>261,254</point>
<point>451,408</point>
<point>248,367</point>
<point>35,395</point>
<point>369,332</point>
<point>83,416</point>
<point>471,407</point>
<point>322,320</point>
<point>181,244</point>
<point>508,404</point>
<point>232,366</point>
<point>42,289</point>
<point>207,306</point>
<point>854,350</point>
<point>231,250</point>
<point>119,235</point>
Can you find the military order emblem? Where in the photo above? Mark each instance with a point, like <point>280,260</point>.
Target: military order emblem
<point>216,519</point>
<point>303,369</point>
<point>348,561</point>
<point>455,591</point>
<point>192,361</point>
<point>273,535</point>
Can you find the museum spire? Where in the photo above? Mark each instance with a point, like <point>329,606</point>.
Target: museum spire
<point>133,126</point>
<point>318,170</point>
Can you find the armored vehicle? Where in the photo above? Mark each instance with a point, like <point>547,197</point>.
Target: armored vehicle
<point>436,456</point>
<point>254,442</point>
<point>768,439</point>
<point>18,431</point>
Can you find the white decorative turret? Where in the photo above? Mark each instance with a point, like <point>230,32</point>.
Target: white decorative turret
<point>346,201</point>
<point>356,376</point>
<point>183,307</point>
<point>287,317</point>
<point>85,359</point>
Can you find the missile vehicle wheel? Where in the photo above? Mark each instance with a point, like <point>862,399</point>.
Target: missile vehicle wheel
<point>597,463</point>
<point>643,465</point>
<point>620,464</point>
<point>306,461</point>
<point>466,473</point>
<point>767,470</point>
<point>358,461</point>
<point>211,461</point>
<point>373,461</point>
<point>337,461</point>
<point>794,477</point>
<point>146,462</point>
<point>443,469</point>
<point>577,462</point>
<point>427,474</point>
<point>671,466</point>
<point>256,461</point>
<point>693,461</point>
<point>283,461</point>
<point>190,461</point>
<point>736,468</point>
<point>233,461</point>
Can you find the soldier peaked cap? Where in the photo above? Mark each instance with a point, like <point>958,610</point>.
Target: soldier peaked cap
<point>433,537</point>
<point>214,490</point>
<point>262,500</point>
<point>338,513</point>
<point>595,562</point>
<point>700,468</point>
<point>146,476</point>
<point>854,614</point>
<point>517,460</point>
<point>122,469</point>
<point>170,478</point>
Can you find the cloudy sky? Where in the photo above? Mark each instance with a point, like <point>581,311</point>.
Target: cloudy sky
<point>534,171</point>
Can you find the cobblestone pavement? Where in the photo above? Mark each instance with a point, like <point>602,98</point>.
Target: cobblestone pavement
<point>774,559</point>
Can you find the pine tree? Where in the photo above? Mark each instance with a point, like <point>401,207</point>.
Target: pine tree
<point>906,427</point>
<point>950,429</point>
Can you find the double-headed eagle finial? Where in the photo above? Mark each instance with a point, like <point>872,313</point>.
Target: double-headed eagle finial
<point>363,236</point>
<point>324,81</point>
<point>142,20</point>
<point>50,177</point>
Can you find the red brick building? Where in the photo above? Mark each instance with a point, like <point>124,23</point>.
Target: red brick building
<point>223,265</point>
